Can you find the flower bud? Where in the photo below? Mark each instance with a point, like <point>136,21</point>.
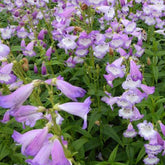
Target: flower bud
<point>25,64</point>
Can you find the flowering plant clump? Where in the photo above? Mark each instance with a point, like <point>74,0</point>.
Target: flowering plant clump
<point>82,82</point>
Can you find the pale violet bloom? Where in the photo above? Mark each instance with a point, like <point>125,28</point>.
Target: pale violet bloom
<point>101,49</point>
<point>68,42</point>
<point>31,141</point>
<point>67,89</point>
<point>6,77</point>
<point>130,132</point>
<point>77,109</point>
<point>151,160</point>
<point>146,130</point>
<point>130,84</point>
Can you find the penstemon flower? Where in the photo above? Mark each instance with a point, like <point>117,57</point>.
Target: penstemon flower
<point>77,109</point>
<point>67,89</point>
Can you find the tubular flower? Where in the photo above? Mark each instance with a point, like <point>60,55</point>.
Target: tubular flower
<point>77,109</point>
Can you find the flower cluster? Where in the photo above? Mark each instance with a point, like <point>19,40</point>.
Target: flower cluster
<point>87,33</point>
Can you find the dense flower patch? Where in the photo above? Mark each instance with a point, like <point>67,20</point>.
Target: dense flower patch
<point>100,62</point>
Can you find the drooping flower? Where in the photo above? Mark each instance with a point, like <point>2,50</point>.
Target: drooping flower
<point>27,114</point>
<point>77,109</point>
<point>134,71</point>
<point>31,141</point>
<point>17,98</point>
<point>153,147</point>
<point>146,130</point>
<point>58,156</point>
<point>67,89</point>
<point>151,160</point>
<point>4,51</point>
<point>5,74</point>
<point>130,132</point>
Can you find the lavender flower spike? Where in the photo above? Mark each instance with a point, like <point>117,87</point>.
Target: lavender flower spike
<point>77,109</point>
<point>67,89</point>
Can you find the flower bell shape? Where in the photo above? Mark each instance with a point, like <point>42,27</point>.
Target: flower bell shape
<point>130,132</point>
<point>17,98</point>
<point>28,114</point>
<point>146,130</point>
<point>5,74</point>
<point>4,51</point>
<point>77,109</point>
<point>31,141</point>
<point>134,71</point>
<point>58,156</point>
<point>67,89</point>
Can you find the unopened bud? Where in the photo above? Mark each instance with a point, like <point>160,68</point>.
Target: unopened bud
<point>111,51</point>
<point>84,6</point>
<point>148,61</point>
<point>25,64</point>
<point>97,123</point>
<point>77,28</point>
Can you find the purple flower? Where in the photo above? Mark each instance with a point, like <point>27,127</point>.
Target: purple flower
<point>29,50</point>
<point>35,69</point>
<point>84,40</point>
<point>27,114</point>
<point>109,100</point>
<point>22,33</point>
<point>115,69</point>
<point>41,34</point>
<point>81,52</point>
<point>130,132</point>
<point>6,33</point>
<point>67,12</point>
<point>42,157</point>
<point>148,90</point>
<point>151,160</point>
<point>4,51</point>
<point>17,98</point>
<point>68,42</point>
<point>162,126</point>
<point>100,50</point>
<point>134,71</point>
<point>130,84</point>
<point>77,109</point>
<point>108,11</point>
<point>58,156</point>
<point>31,141</point>
<point>5,74</point>
<point>48,53</point>
<point>67,89</point>
<point>43,69</point>
<point>6,117</point>
<point>153,147</point>
<point>134,96</point>
<point>146,130</point>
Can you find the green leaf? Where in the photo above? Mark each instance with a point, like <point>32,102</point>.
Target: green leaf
<point>4,150</point>
<point>113,154</point>
<point>140,155</point>
<point>15,48</point>
<point>160,53</point>
<point>110,132</point>
<point>155,72</point>
<point>79,143</point>
<point>130,153</point>
<point>94,117</point>
<point>118,163</point>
